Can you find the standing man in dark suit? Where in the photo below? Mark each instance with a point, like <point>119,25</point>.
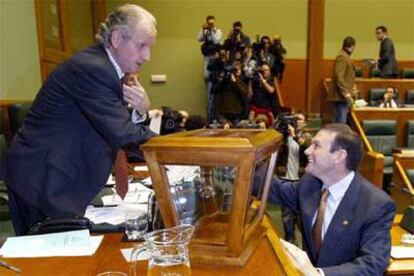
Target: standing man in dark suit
<point>343,81</point>
<point>62,155</point>
<point>387,63</point>
<point>346,220</point>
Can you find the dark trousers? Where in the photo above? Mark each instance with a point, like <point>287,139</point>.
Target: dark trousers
<point>23,215</point>
<point>289,219</point>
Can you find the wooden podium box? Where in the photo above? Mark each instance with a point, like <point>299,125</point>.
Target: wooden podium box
<point>230,169</point>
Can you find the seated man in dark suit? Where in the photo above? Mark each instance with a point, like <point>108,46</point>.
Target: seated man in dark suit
<point>389,100</point>
<point>346,220</point>
<point>63,154</point>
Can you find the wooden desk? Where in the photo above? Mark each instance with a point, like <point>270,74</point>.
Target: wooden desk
<point>401,115</point>
<point>403,266</point>
<point>264,261</point>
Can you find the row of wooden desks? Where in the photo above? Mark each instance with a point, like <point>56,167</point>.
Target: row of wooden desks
<point>268,259</point>
<point>264,261</point>
<point>403,266</point>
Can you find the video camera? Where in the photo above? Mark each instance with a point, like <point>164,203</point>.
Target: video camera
<point>282,122</point>
<point>170,120</point>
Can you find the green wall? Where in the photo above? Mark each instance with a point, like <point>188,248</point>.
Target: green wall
<point>19,59</point>
<point>177,52</point>
<point>359,18</point>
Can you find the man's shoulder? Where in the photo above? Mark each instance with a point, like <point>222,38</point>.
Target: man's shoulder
<point>370,193</point>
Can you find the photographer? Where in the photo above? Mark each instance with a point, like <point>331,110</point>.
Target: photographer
<point>291,158</point>
<point>261,90</point>
<point>279,53</point>
<point>236,42</point>
<point>228,93</point>
<point>210,37</point>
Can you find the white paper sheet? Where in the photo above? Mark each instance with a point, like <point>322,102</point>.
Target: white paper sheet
<point>155,124</point>
<point>126,252</point>
<point>113,215</point>
<point>72,243</point>
<point>402,252</point>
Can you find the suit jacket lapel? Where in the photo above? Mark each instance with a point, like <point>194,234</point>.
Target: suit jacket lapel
<point>342,218</point>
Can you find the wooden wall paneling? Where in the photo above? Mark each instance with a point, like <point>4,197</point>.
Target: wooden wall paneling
<point>292,87</point>
<point>314,64</point>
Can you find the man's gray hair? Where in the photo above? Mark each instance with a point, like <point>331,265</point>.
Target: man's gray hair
<point>124,19</point>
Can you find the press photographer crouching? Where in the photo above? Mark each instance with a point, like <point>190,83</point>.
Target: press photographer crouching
<point>291,160</point>
<point>229,94</point>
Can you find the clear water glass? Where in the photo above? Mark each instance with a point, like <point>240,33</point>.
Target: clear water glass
<point>135,226</point>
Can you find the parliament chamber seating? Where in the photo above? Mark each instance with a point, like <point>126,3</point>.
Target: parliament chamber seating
<point>375,73</point>
<point>410,134</point>
<point>407,73</point>
<point>382,135</point>
<point>409,96</point>
<point>358,71</point>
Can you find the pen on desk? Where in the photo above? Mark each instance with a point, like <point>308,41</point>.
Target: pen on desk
<point>8,266</point>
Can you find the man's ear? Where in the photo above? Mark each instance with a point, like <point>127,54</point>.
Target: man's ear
<point>341,156</point>
<point>116,38</point>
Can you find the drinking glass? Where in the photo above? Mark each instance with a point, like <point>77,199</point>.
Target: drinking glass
<point>135,225</point>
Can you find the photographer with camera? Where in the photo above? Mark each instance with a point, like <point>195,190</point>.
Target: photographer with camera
<point>261,90</point>
<point>279,53</point>
<point>291,158</point>
<point>236,42</point>
<point>210,37</point>
<point>229,93</point>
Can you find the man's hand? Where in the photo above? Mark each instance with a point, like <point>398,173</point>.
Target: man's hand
<point>291,131</point>
<point>232,77</point>
<point>300,259</point>
<point>136,96</point>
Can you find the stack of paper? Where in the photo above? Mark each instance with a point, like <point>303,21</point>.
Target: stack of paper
<point>402,252</point>
<point>72,243</point>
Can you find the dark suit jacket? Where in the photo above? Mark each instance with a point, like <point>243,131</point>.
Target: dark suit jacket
<point>357,241</point>
<point>387,62</point>
<point>343,78</point>
<point>62,155</point>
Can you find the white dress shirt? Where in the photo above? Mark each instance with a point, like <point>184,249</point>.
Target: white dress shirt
<point>336,193</point>
<point>135,116</point>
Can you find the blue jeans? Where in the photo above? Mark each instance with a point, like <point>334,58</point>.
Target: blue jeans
<point>340,111</point>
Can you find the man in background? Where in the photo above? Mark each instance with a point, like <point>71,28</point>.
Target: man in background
<point>63,153</point>
<point>210,37</point>
<point>343,81</point>
<point>387,63</point>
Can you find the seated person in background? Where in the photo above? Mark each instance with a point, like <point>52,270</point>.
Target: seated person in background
<point>346,220</point>
<point>261,89</point>
<point>262,121</point>
<point>195,122</point>
<point>388,101</point>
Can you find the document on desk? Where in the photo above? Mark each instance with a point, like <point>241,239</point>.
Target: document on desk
<point>402,252</point>
<point>71,243</point>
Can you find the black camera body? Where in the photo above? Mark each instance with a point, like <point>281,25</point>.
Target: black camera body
<point>282,122</point>
<point>170,120</point>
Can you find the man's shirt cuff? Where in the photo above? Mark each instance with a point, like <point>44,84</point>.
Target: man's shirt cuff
<point>136,118</point>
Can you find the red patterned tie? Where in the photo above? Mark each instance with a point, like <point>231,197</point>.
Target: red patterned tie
<point>121,173</point>
<point>317,227</point>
